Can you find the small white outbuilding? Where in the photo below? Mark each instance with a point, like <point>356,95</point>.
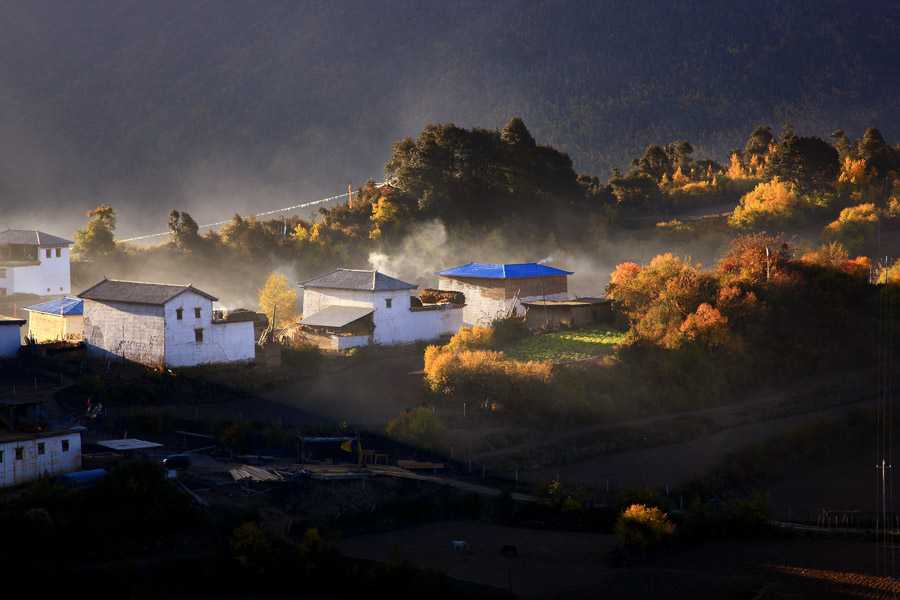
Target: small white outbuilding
<point>10,336</point>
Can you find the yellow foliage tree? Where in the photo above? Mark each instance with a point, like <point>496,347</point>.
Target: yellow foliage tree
<point>735,169</point>
<point>854,228</point>
<point>276,294</point>
<point>775,202</point>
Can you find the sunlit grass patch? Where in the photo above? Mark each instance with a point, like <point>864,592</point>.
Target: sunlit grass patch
<point>561,346</point>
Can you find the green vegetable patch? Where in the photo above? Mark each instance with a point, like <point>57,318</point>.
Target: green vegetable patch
<point>562,346</point>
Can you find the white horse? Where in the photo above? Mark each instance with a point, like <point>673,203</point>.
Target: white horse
<point>460,546</point>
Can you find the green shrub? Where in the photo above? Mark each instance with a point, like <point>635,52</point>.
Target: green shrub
<point>420,427</point>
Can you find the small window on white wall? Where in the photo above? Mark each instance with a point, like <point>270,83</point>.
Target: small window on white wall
<point>58,252</point>
<point>178,313</point>
<point>48,252</point>
<point>387,302</point>
<point>196,313</point>
<point>198,335</point>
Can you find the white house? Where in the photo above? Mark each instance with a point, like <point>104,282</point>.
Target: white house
<point>59,319</point>
<point>10,336</point>
<point>34,262</point>
<point>494,290</point>
<point>160,324</point>
<point>347,308</point>
<point>28,449</point>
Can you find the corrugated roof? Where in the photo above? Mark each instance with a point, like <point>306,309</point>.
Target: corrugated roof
<point>513,271</point>
<point>136,292</point>
<point>337,316</point>
<point>4,320</point>
<point>31,237</point>
<point>68,306</point>
<point>352,279</point>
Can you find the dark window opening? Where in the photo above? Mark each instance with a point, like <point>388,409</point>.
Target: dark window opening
<point>20,453</point>
<point>387,302</point>
<point>178,313</point>
<point>48,252</point>
<point>198,335</point>
<point>58,252</point>
<point>197,313</point>
<point>42,448</point>
<point>65,445</point>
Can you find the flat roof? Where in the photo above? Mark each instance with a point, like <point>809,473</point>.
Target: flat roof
<point>128,444</point>
<point>574,302</point>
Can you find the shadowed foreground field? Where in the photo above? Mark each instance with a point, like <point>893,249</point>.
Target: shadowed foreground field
<point>558,564</point>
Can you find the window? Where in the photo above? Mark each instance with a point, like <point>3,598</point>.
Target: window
<point>1,456</point>
<point>42,447</point>
<point>65,445</point>
<point>178,312</point>
<point>48,252</point>
<point>20,453</point>
<point>60,288</point>
<point>58,252</point>
<point>196,313</point>
<point>2,273</point>
<point>198,335</point>
<point>48,289</point>
<point>387,302</point>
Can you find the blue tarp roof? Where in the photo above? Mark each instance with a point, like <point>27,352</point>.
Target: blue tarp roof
<point>69,306</point>
<point>490,271</point>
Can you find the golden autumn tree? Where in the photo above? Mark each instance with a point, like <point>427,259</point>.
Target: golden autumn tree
<point>276,296</point>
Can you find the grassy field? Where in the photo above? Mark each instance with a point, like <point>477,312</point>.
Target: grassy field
<point>562,346</point>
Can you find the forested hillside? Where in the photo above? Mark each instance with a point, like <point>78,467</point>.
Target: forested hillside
<point>231,107</point>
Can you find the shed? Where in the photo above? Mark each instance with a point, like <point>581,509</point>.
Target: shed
<point>129,446</point>
<point>567,313</point>
<point>61,319</point>
<point>10,335</point>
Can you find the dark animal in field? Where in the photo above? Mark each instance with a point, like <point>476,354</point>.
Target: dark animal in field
<point>460,546</point>
<point>508,550</point>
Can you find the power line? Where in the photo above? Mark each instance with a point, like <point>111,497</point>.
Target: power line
<point>349,195</point>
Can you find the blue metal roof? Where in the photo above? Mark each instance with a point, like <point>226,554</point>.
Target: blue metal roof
<point>516,271</point>
<point>68,306</point>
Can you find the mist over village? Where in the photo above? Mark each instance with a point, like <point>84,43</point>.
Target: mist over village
<point>529,299</point>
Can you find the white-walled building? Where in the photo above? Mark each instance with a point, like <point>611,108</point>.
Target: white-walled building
<point>494,290</point>
<point>28,449</point>
<point>10,336</point>
<point>347,308</point>
<point>60,319</point>
<point>159,324</point>
<point>34,262</point>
